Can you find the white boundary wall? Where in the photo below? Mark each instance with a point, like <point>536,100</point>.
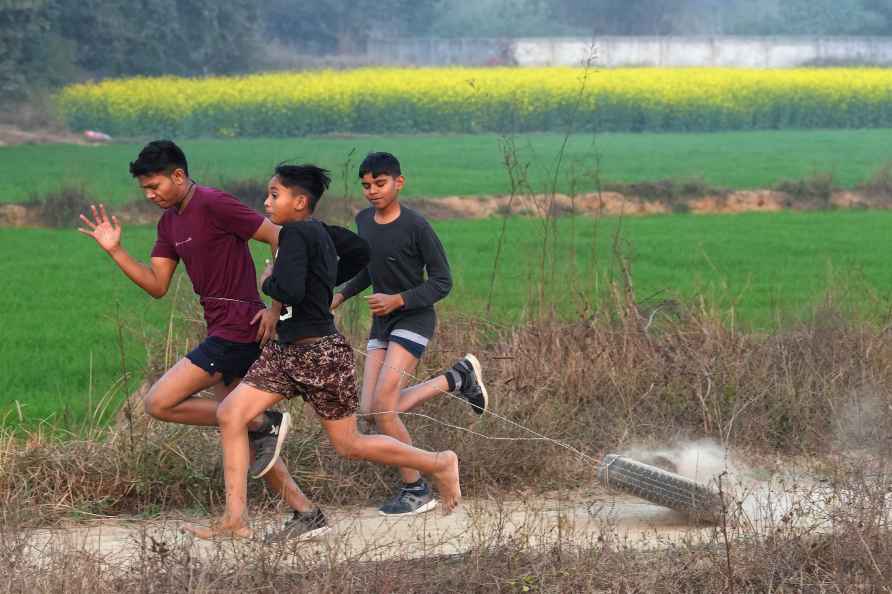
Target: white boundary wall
<point>740,52</point>
<point>743,52</point>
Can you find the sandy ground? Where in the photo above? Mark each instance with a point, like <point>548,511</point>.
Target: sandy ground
<point>12,135</point>
<point>361,534</point>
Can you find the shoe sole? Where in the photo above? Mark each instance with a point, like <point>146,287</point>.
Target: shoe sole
<point>478,375</point>
<point>283,433</point>
<point>311,535</point>
<point>430,505</point>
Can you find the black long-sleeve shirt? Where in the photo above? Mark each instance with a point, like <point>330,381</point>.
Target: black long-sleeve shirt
<point>401,252</point>
<point>312,259</point>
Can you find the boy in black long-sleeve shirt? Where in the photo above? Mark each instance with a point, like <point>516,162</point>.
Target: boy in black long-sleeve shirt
<point>309,358</point>
<point>403,247</point>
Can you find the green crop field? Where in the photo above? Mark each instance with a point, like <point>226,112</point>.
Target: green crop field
<point>470,164</point>
<point>63,299</point>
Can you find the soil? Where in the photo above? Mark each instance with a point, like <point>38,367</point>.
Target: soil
<point>583,517</point>
<point>11,135</point>
<point>480,207</point>
<point>361,534</point>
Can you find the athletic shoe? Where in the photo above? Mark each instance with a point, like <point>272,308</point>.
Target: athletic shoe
<point>268,444</point>
<point>472,388</point>
<point>302,526</point>
<point>410,501</point>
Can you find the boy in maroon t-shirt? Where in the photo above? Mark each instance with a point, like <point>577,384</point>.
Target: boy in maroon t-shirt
<point>209,231</point>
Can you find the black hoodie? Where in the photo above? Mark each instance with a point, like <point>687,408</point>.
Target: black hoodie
<point>313,258</point>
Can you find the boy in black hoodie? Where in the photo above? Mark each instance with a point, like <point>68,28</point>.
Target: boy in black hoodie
<point>309,358</point>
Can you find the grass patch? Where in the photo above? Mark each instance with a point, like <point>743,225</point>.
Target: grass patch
<point>66,299</point>
<point>469,164</point>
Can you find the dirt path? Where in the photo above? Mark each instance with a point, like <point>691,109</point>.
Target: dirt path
<point>360,534</point>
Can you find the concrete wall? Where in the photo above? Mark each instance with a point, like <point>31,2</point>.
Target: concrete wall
<point>743,52</point>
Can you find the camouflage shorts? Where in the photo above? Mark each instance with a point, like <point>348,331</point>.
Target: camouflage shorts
<point>322,372</point>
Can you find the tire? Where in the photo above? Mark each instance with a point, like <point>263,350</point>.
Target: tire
<point>660,487</point>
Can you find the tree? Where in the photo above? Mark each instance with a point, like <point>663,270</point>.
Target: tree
<point>344,26</point>
<point>21,21</point>
<point>161,37</point>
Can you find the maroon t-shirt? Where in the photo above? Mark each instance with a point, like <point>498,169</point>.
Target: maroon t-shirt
<point>211,237</point>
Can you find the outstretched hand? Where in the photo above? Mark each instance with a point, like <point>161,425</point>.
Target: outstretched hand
<point>106,231</point>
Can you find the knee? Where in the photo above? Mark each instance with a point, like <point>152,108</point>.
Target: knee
<point>228,416</point>
<point>347,447</point>
<point>153,406</point>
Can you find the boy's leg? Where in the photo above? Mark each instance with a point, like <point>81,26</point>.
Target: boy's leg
<point>373,361</point>
<point>278,479</point>
<point>397,362</point>
<point>172,398</point>
<point>414,396</point>
<point>233,416</point>
<point>382,449</point>
<point>464,379</point>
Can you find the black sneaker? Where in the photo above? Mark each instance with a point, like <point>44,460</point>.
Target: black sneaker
<point>268,445</point>
<point>472,388</point>
<point>302,526</point>
<point>410,501</point>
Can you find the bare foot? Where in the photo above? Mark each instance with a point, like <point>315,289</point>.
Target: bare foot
<point>446,479</point>
<point>217,531</point>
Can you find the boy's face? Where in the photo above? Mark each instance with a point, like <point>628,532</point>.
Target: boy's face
<point>382,190</point>
<point>165,190</point>
<point>283,204</point>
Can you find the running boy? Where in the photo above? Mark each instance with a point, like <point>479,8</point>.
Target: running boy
<point>403,246</point>
<point>209,231</point>
<point>310,359</point>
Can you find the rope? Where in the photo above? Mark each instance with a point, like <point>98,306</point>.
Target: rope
<point>538,436</point>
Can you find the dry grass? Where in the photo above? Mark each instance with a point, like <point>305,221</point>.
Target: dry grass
<point>626,375</point>
<point>792,556</point>
<point>623,377</point>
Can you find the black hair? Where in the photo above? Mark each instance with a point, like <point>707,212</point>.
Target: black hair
<point>310,179</point>
<point>159,156</point>
<point>380,164</point>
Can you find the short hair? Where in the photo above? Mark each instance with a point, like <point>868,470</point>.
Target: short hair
<point>159,156</point>
<point>309,179</point>
<point>380,164</point>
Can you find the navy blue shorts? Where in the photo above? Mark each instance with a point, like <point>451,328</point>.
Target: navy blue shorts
<point>218,355</point>
<point>413,342</point>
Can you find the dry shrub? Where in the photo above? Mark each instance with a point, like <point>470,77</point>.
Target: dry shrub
<point>815,191</point>
<point>60,208</point>
<point>614,380</point>
<point>797,554</point>
<point>880,184</point>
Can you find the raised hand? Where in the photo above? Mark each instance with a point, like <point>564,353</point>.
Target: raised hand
<point>106,232</point>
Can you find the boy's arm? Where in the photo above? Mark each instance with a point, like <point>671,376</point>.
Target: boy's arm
<point>439,277</point>
<point>153,279</point>
<point>353,252</point>
<point>287,283</point>
<point>268,232</point>
<point>357,285</point>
